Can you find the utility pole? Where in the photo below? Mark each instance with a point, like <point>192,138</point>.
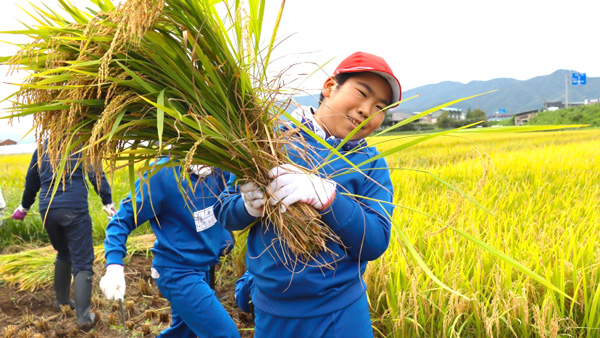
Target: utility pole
<point>567,91</point>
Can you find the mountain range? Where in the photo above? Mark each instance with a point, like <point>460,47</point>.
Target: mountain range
<point>514,96</point>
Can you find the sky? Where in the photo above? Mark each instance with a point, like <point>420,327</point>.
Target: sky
<point>424,42</point>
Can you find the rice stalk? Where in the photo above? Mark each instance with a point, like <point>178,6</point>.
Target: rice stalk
<point>186,79</point>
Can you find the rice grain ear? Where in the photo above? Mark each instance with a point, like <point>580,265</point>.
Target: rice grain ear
<point>131,83</point>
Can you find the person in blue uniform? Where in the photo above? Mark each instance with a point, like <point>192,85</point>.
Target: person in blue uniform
<point>188,242</point>
<point>69,226</point>
<point>243,289</point>
<point>308,299</point>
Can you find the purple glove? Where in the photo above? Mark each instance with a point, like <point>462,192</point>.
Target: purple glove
<point>19,213</point>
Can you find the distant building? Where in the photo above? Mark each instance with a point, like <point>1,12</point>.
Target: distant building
<point>553,105</point>
<point>398,116</point>
<point>499,117</point>
<point>524,117</point>
<point>392,118</point>
<point>7,142</point>
<point>453,113</point>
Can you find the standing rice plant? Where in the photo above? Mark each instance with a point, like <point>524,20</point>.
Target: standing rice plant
<point>543,195</point>
<point>186,79</point>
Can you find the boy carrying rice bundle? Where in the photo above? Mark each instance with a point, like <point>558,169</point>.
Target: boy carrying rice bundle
<point>306,298</point>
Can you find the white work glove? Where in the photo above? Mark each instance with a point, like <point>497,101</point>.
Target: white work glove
<point>113,282</point>
<point>201,170</point>
<point>290,185</point>
<point>254,198</point>
<point>109,209</point>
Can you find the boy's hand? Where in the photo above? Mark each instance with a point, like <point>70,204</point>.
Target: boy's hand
<point>254,198</point>
<point>113,282</point>
<point>291,185</point>
<point>19,213</point>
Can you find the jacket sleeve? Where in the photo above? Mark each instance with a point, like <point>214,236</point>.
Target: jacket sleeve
<point>363,224</point>
<point>32,182</point>
<point>149,195</point>
<point>101,185</point>
<point>230,210</point>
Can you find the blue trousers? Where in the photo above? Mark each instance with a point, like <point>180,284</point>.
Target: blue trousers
<point>195,310</point>
<point>70,232</point>
<point>349,322</point>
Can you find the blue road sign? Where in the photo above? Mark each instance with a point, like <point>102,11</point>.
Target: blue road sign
<point>578,78</point>
<point>501,111</point>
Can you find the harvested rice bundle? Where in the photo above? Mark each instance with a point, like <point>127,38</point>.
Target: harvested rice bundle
<point>151,78</point>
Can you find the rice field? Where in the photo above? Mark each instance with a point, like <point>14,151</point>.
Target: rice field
<point>30,231</point>
<point>542,191</point>
<point>539,203</point>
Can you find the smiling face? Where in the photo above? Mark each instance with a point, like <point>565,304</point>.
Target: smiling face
<point>345,106</point>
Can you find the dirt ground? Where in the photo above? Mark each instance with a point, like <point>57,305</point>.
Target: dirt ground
<point>30,314</point>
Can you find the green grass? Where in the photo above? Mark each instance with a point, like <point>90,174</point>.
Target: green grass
<point>586,114</point>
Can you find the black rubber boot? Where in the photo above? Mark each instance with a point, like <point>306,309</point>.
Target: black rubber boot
<point>83,301</point>
<point>62,285</point>
<point>211,277</point>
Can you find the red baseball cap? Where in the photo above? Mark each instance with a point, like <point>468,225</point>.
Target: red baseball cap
<point>365,62</point>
